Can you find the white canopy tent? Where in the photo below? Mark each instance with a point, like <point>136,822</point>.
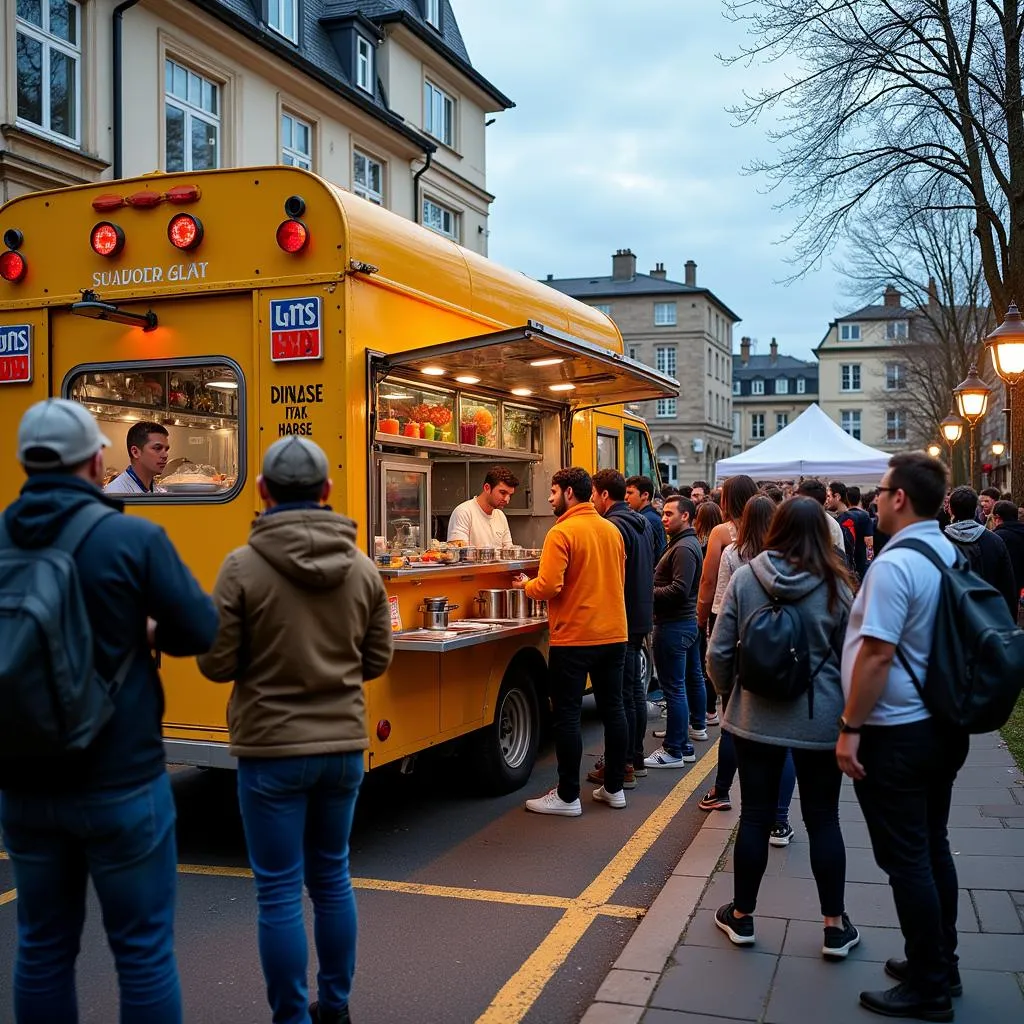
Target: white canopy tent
<point>812,445</point>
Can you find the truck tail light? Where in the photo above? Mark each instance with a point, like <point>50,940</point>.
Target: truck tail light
<point>106,239</point>
<point>185,231</point>
<point>383,729</point>
<point>12,266</point>
<point>292,236</point>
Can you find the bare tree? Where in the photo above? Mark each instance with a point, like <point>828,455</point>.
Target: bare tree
<point>920,98</point>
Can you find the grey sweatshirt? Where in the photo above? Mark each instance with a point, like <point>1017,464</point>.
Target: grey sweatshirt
<point>781,723</point>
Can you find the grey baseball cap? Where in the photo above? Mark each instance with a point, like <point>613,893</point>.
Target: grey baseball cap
<point>58,434</point>
<point>295,462</point>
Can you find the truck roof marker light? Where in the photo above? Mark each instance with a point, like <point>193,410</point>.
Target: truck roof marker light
<point>13,238</point>
<point>522,392</point>
<point>292,236</point>
<point>433,371</point>
<point>12,266</point>
<point>144,200</point>
<point>106,239</point>
<point>107,202</point>
<point>383,729</point>
<point>185,231</point>
<point>183,194</point>
<point>552,361</point>
<point>561,387</point>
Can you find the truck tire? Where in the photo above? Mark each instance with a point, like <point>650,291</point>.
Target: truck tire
<point>646,663</point>
<point>505,751</point>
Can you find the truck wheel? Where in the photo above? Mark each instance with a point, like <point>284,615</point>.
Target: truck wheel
<point>646,663</point>
<point>505,751</point>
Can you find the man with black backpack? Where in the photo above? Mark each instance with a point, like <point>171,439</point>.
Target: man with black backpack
<point>903,758</point>
<point>83,789</point>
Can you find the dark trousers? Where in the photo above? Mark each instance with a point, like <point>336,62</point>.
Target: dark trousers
<point>819,776</point>
<point>568,668</point>
<point>634,696</point>
<point>905,796</point>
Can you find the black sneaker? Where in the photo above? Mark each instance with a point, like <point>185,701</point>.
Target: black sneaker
<point>781,834</point>
<point>739,929</point>
<point>839,941</point>
<point>904,1001</point>
<point>325,1016</point>
<point>898,969</point>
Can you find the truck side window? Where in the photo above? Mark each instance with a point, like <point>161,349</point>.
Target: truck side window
<point>639,460</point>
<point>197,404</point>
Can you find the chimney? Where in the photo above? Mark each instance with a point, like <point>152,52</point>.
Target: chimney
<point>551,277</point>
<point>744,351</point>
<point>623,265</point>
<point>691,273</point>
<point>658,272</point>
<point>775,352</point>
<point>933,293</point>
<point>892,297</point>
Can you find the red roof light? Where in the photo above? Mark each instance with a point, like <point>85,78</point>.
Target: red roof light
<point>107,202</point>
<point>106,239</point>
<point>292,236</point>
<point>144,199</point>
<point>12,266</point>
<point>183,194</point>
<point>185,231</point>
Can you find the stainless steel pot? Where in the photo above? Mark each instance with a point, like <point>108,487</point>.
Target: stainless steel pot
<point>515,602</point>
<point>536,609</point>
<point>491,604</point>
<point>435,612</point>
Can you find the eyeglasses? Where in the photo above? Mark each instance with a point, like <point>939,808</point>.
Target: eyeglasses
<point>892,490</point>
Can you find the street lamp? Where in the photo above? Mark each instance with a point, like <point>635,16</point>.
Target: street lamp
<point>934,450</point>
<point>952,429</point>
<point>998,448</point>
<point>971,397</point>
<point>1006,343</point>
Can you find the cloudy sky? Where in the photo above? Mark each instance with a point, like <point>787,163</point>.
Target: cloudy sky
<point>620,137</point>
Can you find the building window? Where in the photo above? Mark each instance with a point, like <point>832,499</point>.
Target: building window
<point>282,18</point>
<point>896,330</point>
<point>633,352</point>
<point>438,114</point>
<point>364,64</point>
<point>895,425</point>
<point>850,422</point>
<point>757,386</point>
<point>368,177</point>
<point>849,377</point>
<point>664,314</point>
<point>781,421</point>
<point>665,408</point>
<point>440,219</point>
<point>895,377</point>
<point>432,12</point>
<point>665,359</point>
<point>603,307</point>
<point>736,428</point>
<point>801,385</point>
<point>192,119</point>
<point>296,142</point>
<point>757,425</point>
<point>737,387</point>
<point>782,386</point>
<point>849,332</point>
<point>49,66</point>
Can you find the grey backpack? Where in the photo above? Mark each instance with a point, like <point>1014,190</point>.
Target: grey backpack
<point>52,700</point>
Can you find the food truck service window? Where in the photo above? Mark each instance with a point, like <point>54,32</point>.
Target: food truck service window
<point>198,403</point>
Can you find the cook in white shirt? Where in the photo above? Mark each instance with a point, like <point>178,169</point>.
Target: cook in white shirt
<point>480,521</point>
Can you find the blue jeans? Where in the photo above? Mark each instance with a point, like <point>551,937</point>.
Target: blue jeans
<point>297,813</point>
<point>678,659</point>
<point>123,839</point>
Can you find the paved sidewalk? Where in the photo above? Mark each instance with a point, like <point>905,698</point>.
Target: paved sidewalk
<point>680,969</point>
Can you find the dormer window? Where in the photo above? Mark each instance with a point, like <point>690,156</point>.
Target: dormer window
<point>896,330</point>
<point>757,386</point>
<point>282,17</point>
<point>849,332</point>
<point>432,13</point>
<point>364,64</point>
<point>782,386</point>
<point>801,385</point>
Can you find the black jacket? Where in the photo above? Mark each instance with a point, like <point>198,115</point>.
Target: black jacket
<point>988,557</point>
<point>636,530</point>
<point>1012,535</point>
<point>677,578</point>
<point>128,570</point>
<point>650,513</point>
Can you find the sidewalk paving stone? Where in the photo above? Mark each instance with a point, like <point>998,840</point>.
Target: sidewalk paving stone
<point>997,912</point>
<point>976,871</point>
<point>684,986</point>
<point>808,989</point>
<point>674,1017</point>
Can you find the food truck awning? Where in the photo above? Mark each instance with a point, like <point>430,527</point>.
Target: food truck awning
<point>541,362</point>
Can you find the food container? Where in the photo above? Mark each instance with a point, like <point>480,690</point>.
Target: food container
<point>515,603</point>
<point>468,553</point>
<point>435,612</point>
<point>531,552</point>
<point>411,430</point>
<point>485,554</point>
<point>536,609</point>
<point>491,604</point>
<point>388,425</point>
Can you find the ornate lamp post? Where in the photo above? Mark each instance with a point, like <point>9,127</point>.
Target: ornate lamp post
<point>952,429</point>
<point>934,450</point>
<point>1006,343</point>
<point>972,403</point>
<point>998,448</point>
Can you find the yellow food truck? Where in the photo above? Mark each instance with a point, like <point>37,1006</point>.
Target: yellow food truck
<point>238,306</point>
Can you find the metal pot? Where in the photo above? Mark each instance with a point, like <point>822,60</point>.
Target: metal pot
<point>516,603</point>
<point>536,609</point>
<point>435,612</point>
<point>492,604</point>
<point>485,554</point>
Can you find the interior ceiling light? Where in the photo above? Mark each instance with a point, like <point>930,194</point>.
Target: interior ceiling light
<point>466,379</point>
<point>561,387</point>
<point>396,396</point>
<point>224,383</point>
<point>522,392</point>
<point>550,361</point>
<point>433,371</point>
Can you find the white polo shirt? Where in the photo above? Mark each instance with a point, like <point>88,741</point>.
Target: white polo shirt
<point>896,604</point>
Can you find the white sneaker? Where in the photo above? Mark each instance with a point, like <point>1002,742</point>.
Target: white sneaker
<point>713,718</point>
<point>661,758</point>
<point>658,734</point>
<point>552,803</point>
<point>611,799</point>
<point>698,734</point>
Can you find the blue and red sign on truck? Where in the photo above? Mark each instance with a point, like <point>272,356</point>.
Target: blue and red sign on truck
<point>296,329</point>
<point>16,354</point>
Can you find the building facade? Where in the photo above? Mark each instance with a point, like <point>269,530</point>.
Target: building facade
<point>680,329</point>
<point>768,393</point>
<point>376,95</point>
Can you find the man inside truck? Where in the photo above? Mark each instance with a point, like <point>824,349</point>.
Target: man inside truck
<point>480,522</point>
<point>148,450</point>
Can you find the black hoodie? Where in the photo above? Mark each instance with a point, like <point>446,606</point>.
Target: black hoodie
<point>128,570</point>
<point>1011,533</point>
<point>636,535</point>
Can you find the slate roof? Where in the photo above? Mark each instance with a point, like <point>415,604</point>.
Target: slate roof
<point>784,366</point>
<point>880,313</point>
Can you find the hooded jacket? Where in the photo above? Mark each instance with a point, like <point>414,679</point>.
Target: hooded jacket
<point>677,578</point>
<point>304,622</point>
<point>988,557</point>
<point>782,723</point>
<point>1011,533</point>
<point>128,570</point>
<point>636,536</point>
<point>658,539</point>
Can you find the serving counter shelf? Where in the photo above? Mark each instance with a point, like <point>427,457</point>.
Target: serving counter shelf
<point>444,641</point>
<point>457,570</point>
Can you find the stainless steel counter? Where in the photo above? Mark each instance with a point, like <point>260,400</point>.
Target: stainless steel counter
<point>443,641</point>
<point>468,570</point>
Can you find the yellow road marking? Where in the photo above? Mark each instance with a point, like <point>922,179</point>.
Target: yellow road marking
<point>8,897</point>
<point>520,992</point>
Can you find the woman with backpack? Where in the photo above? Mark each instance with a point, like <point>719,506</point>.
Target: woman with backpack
<point>795,595</point>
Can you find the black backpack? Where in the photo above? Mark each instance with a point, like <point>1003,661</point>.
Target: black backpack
<point>976,662</point>
<point>52,700</point>
<point>773,658</point>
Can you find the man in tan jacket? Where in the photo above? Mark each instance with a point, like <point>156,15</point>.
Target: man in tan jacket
<point>304,622</point>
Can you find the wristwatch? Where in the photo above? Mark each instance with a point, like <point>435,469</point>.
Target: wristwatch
<point>844,726</point>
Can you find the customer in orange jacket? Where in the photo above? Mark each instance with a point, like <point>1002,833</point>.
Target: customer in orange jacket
<point>582,577</point>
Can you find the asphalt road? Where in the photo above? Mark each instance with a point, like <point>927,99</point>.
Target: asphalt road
<point>464,903</point>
